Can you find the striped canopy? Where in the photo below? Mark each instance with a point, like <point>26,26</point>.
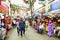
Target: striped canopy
<point>4,7</point>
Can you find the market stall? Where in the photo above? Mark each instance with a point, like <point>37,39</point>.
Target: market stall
<point>6,19</point>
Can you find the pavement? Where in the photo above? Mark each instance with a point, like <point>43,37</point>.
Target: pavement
<point>31,34</point>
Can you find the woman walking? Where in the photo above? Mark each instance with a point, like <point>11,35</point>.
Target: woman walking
<point>50,28</point>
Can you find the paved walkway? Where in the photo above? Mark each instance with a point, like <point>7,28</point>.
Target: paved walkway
<point>31,34</point>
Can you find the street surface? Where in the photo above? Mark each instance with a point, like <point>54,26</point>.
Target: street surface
<point>31,34</point>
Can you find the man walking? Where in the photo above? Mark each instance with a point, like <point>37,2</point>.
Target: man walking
<point>22,26</point>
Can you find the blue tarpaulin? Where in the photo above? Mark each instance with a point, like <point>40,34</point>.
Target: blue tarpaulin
<point>55,6</point>
<point>37,12</point>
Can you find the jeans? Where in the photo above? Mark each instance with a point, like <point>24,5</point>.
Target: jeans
<point>22,32</point>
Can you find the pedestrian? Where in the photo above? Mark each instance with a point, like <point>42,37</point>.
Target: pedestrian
<point>26,21</point>
<point>22,26</point>
<point>50,28</point>
<point>33,23</point>
<point>17,23</point>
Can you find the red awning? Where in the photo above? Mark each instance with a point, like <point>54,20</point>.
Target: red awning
<point>4,7</point>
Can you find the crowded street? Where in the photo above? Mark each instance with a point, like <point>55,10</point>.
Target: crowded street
<point>29,19</point>
<point>31,34</point>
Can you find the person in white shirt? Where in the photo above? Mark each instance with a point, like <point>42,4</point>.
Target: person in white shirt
<point>17,23</point>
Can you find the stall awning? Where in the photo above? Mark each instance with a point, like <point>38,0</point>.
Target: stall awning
<point>55,6</point>
<point>4,7</point>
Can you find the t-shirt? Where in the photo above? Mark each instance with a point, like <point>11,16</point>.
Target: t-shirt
<point>17,24</point>
<point>22,24</point>
<point>26,22</point>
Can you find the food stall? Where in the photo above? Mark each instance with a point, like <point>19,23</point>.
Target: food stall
<point>7,19</point>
